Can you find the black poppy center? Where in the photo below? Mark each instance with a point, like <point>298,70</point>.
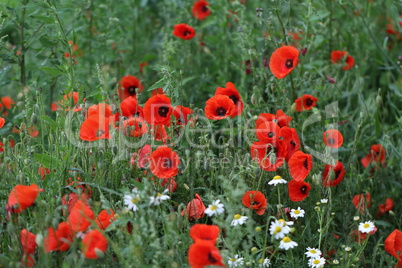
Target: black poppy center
<point>331,141</point>
<point>163,111</point>
<point>204,9</point>
<point>270,134</point>
<point>309,102</point>
<point>293,143</point>
<point>186,32</point>
<point>132,90</point>
<point>337,172</point>
<point>289,63</point>
<point>255,203</point>
<point>234,99</point>
<point>305,164</point>
<point>303,189</point>
<point>167,163</point>
<point>220,111</point>
<point>99,133</point>
<point>271,148</point>
<point>211,258</point>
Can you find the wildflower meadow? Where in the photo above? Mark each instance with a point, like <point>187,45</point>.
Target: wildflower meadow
<point>185,133</point>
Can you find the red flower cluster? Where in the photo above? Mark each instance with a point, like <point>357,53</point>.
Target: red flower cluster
<point>226,102</point>
<point>343,58</point>
<point>375,158</point>
<point>203,251</point>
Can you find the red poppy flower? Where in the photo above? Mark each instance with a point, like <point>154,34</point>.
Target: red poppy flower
<point>157,110</point>
<point>270,156</point>
<point>92,243</point>
<point>64,104</point>
<point>267,132</point>
<point>101,110</point>
<point>181,113</point>
<point>130,108</point>
<point>80,186</point>
<point>343,57</point>
<point>360,237</point>
<point>141,157</point>
<point>393,245</point>
<point>5,104</point>
<point>362,201</point>
<point>384,208</point>
<point>134,127</point>
<point>27,241</point>
<point>298,190</point>
<point>280,118</point>
<point>306,102</point>
<point>183,31</point>
<point>283,61</point>
<point>157,91</point>
<point>333,175</point>
<point>205,232</point>
<point>219,107</point>
<point>21,197</point>
<point>164,162</point>
<point>255,200</point>
<point>231,91</point>
<point>200,10</point>
<point>376,154</point>
<point>129,86</point>
<point>291,139</point>
<point>95,128</point>
<point>2,122</point>
<point>195,209</point>
<point>42,171</point>
<point>332,138</point>
<point>159,133</point>
<point>105,218</point>
<point>203,254</point>
<point>80,216</point>
<point>300,165</point>
<point>59,239</point>
<point>169,184</point>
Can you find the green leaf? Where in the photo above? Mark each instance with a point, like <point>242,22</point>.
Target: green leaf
<point>49,121</point>
<point>46,160</point>
<point>148,57</point>
<point>45,19</point>
<point>53,71</point>
<point>158,84</point>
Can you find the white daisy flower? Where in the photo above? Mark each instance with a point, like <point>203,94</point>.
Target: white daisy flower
<point>313,252</point>
<point>238,220</point>
<point>235,262</point>
<point>287,243</point>
<point>366,227</point>
<point>264,262</point>
<point>279,229</point>
<point>215,208</point>
<point>131,201</point>
<point>324,201</point>
<point>348,249</point>
<point>316,262</point>
<point>159,197</point>
<point>277,180</point>
<point>297,213</point>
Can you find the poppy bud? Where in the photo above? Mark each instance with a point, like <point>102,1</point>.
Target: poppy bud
<point>34,119</point>
<point>39,239</point>
<point>378,101</point>
<point>254,99</point>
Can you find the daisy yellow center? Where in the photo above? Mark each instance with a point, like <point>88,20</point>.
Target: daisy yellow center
<point>316,261</point>
<point>282,221</point>
<point>159,194</point>
<point>313,251</point>
<point>277,229</point>
<point>277,178</point>
<point>286,239</point>
<point>366,225</point>
<point>135,200</point>
<point>296,211</point>
<point>237,216</point>
<point>233,259</point>
<point>213,207</point>
<point>261,261</point>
